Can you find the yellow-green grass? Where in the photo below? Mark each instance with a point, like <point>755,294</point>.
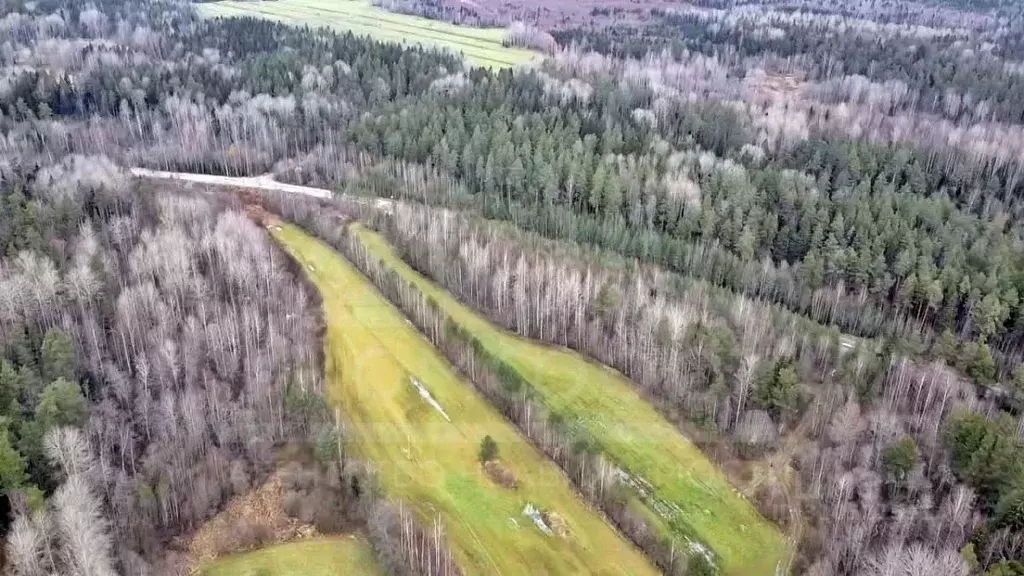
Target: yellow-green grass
<point>371,354</point>
<point>320,557</point>
<point>480,46</point>
<point>629,431</point>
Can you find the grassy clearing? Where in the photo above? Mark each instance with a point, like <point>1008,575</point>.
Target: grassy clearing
<point>320,557</point>
<point>629,430</point>
<point>373,357</point>
<point>480,46</point>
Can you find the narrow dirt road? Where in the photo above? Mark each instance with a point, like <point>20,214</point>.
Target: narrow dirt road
<point>264,182</point>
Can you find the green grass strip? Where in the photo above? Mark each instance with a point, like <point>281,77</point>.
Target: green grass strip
<point>372,356</point>
<point>628,430</point>
<point>320,557</point>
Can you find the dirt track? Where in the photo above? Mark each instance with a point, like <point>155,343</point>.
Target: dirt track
<point>264,182</point>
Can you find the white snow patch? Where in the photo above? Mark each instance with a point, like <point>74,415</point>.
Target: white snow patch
<point>643,487</point>
<point>531,512</point>
<point>664,508</point>
<point>698,548</point>
<point>425,394</point>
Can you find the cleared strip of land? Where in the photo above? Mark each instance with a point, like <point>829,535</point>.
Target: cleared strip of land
<point>265,182</point>
<point>688,495</point>
<point>412,416</point>
<point>480,46</point>
<point>320,557</point>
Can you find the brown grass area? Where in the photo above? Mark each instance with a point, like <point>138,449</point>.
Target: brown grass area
<point>252,520</point>
<point>255,211</point>
<point>554,14</point>
<point>557,524</point>
<point>773,483</point>
<point>773,87</point>
<point>501,474</point>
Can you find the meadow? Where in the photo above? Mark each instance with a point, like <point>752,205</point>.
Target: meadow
<point>320,557</point>
<point>480,46</point>
<point>412,416</point>
<point>689,496</point>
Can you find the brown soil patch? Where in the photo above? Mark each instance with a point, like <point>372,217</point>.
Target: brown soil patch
<point>501,475</point>
<point>252,520</point>
<point>256,212</point>
<point>770,87</point>
<point>773,484</point>
<point>557,524</point>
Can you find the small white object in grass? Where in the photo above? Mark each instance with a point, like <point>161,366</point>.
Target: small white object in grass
<point>698,548</point>
<point>531,512</point>
<point>425,394</point>
<point>638,483</point>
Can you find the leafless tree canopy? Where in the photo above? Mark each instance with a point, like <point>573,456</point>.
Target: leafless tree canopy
<point>795,226</point>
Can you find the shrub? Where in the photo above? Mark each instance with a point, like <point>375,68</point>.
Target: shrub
<point>252,534</point>
<point>292,503</point>
<point>488,449</point>
<point>501,475</point>
<point>899,459</point>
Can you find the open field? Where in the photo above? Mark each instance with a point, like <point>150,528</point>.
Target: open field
<point>480,46</point>
<point>412,416</point>
<point>689,494</point>
<point>320,557</point>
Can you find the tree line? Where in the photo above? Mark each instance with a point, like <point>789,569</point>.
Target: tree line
<point>897,459</point>
<point>884,205</point>
<point>608,162</point>
<point>157,352</point>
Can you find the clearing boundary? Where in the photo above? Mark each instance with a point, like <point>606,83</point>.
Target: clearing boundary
<point>480,46</point>
<point>427,457</point>
<point>314,557</point>
<point>683,493</point>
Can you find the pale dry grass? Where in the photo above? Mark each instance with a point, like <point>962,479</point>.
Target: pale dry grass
<point>262,506</point>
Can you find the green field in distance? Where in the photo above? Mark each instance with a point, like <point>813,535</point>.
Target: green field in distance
<point>480,46</point>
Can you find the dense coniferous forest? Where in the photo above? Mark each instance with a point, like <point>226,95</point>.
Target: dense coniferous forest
<point>797,228</point>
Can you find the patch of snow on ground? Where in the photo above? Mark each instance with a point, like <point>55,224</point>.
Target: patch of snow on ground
<point>425,394</point>
<point>642,486</point>
<point>698,548</point>
<point>644,489</point>
<point>531,512</point>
